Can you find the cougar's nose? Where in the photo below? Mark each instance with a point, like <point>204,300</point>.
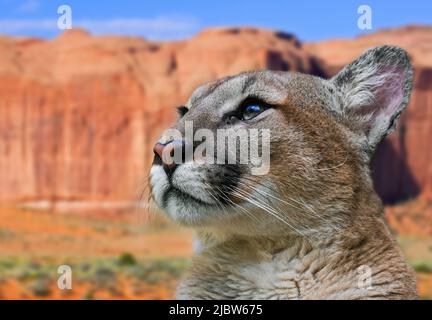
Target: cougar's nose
<point>164,154</point>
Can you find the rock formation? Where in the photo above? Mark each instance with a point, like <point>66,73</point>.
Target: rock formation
<point>79,114</point>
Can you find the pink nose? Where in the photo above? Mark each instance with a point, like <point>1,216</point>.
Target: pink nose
<point>165,153</point>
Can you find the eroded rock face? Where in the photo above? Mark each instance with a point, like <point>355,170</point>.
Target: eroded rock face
<point>79,114</point>
<point>403,164</point>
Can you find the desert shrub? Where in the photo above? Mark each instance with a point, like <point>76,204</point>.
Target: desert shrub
<point>40,288</point>
<point>104,276</point>
<point>422,267</point>
<point>126,259</point>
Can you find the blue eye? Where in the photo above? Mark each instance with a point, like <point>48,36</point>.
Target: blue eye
<point>251,111</point>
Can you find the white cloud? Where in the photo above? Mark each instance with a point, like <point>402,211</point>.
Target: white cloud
<point>163,27</point>
<point>29,6</point>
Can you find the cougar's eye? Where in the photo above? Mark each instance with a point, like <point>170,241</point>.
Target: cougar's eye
<point>252,109</point>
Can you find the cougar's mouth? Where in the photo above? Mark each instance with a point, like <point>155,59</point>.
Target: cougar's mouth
<point>191,192</point>
<point>182,186</point>
<point>185,196</point>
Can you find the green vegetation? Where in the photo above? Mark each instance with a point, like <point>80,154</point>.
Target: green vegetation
<point>127,259</point>
<point>102,272</point>
<point>422,266</point>
<point>40,287</point>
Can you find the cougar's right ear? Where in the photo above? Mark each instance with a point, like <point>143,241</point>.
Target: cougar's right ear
<point>375,89</point>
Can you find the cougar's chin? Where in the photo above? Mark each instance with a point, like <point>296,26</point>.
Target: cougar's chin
<point>184,195</point>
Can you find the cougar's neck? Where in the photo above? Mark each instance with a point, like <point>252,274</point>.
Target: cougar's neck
<point>294,267</point>
<point>330,266</point>
<point>363,220</point>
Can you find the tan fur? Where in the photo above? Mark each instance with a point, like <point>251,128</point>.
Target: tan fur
<point>315,221</point>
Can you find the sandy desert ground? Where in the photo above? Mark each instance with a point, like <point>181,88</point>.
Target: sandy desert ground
<point>129,256</point>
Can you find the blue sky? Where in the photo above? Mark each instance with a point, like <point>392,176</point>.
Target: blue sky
<point>169,19</point>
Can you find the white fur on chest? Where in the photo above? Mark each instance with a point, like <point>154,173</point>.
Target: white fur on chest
<point>269,280</point>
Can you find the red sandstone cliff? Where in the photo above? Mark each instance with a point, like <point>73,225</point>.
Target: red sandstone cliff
<point>79,114</point>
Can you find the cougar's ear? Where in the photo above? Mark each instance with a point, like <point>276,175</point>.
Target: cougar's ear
<point>375,89</point>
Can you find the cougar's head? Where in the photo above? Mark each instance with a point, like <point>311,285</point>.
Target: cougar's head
<point>270,152</point>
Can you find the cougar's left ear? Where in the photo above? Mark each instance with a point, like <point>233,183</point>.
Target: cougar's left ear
<point>375,89</point>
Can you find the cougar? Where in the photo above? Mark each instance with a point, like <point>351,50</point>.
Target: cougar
<point>312,227</point>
